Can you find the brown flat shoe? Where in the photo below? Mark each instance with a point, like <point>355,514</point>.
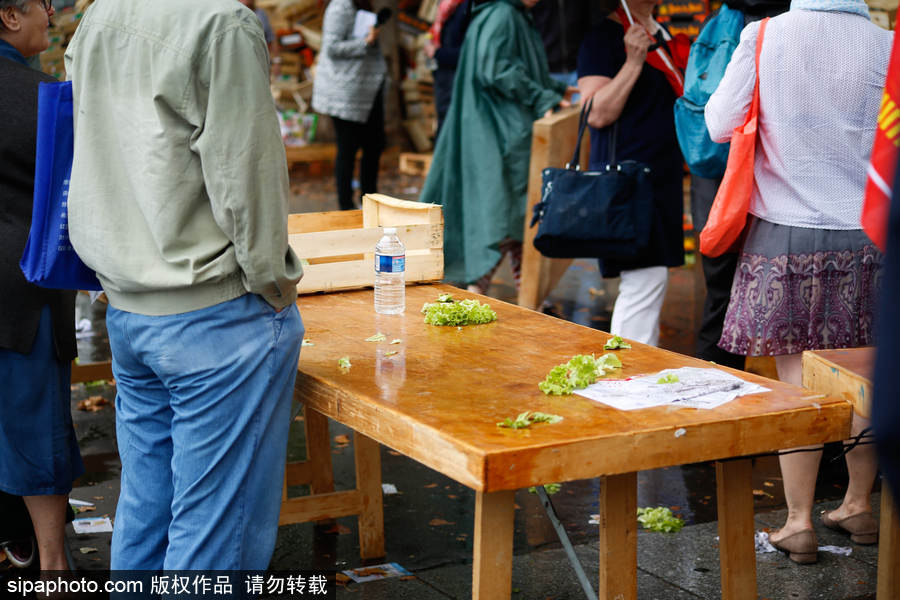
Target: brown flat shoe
<point>862,527</point>
<point>801,547</point>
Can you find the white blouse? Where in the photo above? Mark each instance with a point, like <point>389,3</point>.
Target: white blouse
<point>822,79</point>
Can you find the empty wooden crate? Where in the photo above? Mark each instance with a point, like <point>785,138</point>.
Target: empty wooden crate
<point>337,248</point>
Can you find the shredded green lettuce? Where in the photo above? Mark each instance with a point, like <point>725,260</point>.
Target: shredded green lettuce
<point>616,342</point>
<point>659,519</point>
<point>550,488</point>
<point>668,378</point>
<point>581,371</point>
<point>378,337</point>
<point>344,363</point>
<point>464,312</point>
<point>527,418</point>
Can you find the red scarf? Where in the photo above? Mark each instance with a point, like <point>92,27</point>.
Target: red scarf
<point>671,65</point>
<point>445,9</point>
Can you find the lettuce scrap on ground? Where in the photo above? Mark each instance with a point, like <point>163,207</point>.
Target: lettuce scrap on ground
<point>378,337</point>
<point>550,488</point>
<point>344,363</point>
<point>616,342</point>
<point>659,519</point>
<point>527,418</point>
<point>668,378</point>
<point>581,371</point>
<point>449,312</point>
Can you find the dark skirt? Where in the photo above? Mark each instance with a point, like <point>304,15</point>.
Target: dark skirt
<point>38,451</point>
<point>799,288</point>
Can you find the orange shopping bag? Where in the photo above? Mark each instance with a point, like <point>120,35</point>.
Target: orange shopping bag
<point>728,214</point>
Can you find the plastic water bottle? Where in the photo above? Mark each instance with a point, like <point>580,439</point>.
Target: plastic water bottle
<point>390,274</point>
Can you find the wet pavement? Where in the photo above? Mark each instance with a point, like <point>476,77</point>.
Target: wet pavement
<point>429,520</point>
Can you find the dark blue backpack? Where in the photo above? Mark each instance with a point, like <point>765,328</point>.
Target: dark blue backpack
<point>709,56</point>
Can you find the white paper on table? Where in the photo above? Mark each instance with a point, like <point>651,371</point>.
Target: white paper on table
<point>695,388</point>
<point>365,20</point>
<point>92,525</point>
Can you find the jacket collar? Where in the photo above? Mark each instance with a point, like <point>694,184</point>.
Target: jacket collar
<point>7,50</point>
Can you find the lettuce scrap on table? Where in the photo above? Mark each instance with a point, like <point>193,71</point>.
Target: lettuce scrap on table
<point>344,363</point>
<point>581,371</point>
<point>449,312</point>
<point>527,418</point>
<point>616,342</point>
<point>378,337</point>
<point>659,519</point>
<point>668,378</point>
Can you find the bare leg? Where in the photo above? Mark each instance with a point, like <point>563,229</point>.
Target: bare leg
<point>48,514</point>
<point>862,465</point>
<point>798,470</point>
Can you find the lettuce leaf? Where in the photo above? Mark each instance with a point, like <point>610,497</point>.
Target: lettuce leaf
<point>581,371</point>
<point>453,313</point>
<point>616,342</point>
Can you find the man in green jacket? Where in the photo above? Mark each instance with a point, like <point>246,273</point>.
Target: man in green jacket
<point>480,168</point>
<point>178,201</point>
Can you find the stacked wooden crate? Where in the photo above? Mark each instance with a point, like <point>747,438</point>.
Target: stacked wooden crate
<point>883,13</point>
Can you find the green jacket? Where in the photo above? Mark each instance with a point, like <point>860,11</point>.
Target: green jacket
<point>480,168</point>
<point>179,188</point>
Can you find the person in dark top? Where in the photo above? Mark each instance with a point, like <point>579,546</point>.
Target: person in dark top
<point>718,271</point>
<point>447,35</point>
<point>885,408</point>
<point>636,89</point>
<point>563,25</point>
<point>39,455</point>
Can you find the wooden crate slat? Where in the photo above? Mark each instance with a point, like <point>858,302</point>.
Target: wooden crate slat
<point>325,221</point>
<point>360,241</point>
<point>380,211</point>
<point>358,274</point>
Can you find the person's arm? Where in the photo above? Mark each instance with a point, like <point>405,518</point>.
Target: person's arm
<point>243,162</point>
<point>727,107</point>
<point>336,29</point>
<point>611,94</point>
<point>500,69</point>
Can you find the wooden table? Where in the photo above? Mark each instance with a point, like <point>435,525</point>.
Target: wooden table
<point>438,401</point>
<point>848,373</point>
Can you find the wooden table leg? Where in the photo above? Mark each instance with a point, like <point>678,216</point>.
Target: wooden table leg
<point>737,550</point>
<point>888,546</point>
<point>367,453</point>
<point>318,451</point>
<point>618,537</point>
<point>493,545</point>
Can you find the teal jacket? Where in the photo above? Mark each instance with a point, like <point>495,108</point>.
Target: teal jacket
<point>179,188</point>
<point>480,167</point>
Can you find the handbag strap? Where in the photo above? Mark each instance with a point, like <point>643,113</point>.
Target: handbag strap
<point>754,106</point>
<point>573,164</point>
<point>582,125</point>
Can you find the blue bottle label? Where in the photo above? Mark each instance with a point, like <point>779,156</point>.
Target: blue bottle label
<point>389,264</point>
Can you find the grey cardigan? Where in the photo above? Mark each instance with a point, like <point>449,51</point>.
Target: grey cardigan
<point>350,73</point>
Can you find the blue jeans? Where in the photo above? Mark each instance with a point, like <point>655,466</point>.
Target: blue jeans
<point>202,416</point>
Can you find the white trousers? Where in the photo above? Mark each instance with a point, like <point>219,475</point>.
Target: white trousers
<point>636,312</point>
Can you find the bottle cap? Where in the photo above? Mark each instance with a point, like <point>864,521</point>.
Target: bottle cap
<point>390,230</point>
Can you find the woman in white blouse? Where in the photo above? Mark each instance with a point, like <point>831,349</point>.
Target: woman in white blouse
<point>808,276</point>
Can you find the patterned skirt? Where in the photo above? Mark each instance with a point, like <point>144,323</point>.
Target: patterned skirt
<point>800,288</point>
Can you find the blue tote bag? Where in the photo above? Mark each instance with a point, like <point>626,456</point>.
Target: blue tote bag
<point>49,259</point>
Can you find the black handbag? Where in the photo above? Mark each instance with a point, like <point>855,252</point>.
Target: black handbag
<point>594,214</point>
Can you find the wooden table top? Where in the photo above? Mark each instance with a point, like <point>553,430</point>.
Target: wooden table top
<point>438,399</point>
